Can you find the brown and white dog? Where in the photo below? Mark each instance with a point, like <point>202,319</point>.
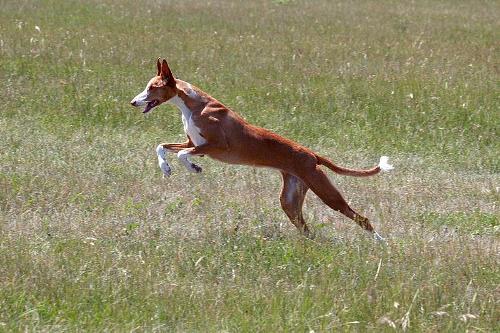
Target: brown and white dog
<point>214,130</point>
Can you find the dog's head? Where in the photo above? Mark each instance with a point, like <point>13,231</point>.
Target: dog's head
<point>159,89</point>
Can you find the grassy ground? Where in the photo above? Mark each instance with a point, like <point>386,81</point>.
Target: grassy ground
<point>92,238</point>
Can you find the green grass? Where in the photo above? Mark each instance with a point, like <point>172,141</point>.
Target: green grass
<point>477,223</point>
<point>239,283</point>
<point>93,239</point>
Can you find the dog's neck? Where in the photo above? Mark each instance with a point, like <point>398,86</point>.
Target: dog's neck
<point>189,99</point>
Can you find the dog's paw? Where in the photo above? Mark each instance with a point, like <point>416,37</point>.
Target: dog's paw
<point>190,166</point>
<point>379,238</point>
<point>162,161</point>
<point>165,168</point>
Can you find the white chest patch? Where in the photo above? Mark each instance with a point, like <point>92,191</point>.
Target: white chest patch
<point>191,130</point>
<point>187,119</point>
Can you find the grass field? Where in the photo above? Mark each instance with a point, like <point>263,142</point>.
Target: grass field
<point>93,239</point>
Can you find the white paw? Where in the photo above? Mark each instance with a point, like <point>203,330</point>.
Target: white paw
<point>379,238</point>
<point>165,168</point>
<point>190,166</point>
<point>162,160</point>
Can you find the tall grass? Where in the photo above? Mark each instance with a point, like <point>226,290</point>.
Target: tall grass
<point>92,238</point>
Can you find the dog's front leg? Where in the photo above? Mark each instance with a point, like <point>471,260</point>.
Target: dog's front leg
<point>161,152</point>
<point>204,149</point>
<point>183,156</point>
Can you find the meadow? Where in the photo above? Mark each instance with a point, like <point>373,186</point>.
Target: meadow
<point>92,238</point>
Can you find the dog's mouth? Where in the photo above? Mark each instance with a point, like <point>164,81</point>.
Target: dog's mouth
<point>150,106</point>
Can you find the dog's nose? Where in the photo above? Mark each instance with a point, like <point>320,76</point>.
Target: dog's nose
<point>133,103</point>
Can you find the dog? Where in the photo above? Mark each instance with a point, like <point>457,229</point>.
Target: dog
<point>215,130</point>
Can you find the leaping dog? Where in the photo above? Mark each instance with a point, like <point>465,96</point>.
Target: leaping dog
<point>214,130</point>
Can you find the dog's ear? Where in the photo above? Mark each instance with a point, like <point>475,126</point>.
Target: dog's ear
<point>166,74</point>
<point>158,67</point>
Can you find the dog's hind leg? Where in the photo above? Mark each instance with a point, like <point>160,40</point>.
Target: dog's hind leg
<point>292,198</point>
<point>319,183</point>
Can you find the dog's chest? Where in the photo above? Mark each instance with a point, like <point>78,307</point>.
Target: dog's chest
<point>191,130</point>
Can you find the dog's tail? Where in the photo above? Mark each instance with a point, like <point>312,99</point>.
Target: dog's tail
<point>383,165</point>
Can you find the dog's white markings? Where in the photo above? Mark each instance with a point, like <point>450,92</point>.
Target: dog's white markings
<point>162,160</point>
<point>384,164</point>
<point>378,237</point>
<point>191,130</point>
<point>187,119</point>
<point>183,156</point>
<point>141,99</point>
<point>161,152</point>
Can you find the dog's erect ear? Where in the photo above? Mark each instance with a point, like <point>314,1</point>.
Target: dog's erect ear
<point>158,67</point>
<point>166,74</point>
